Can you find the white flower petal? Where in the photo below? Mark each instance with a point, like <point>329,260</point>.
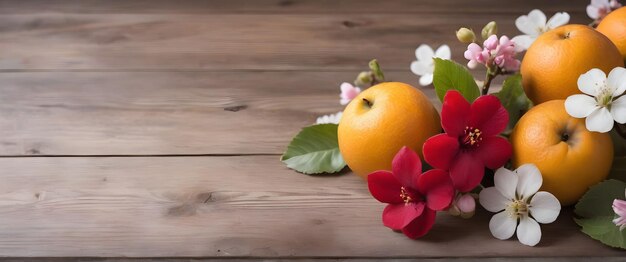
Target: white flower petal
<point>523,42</point>
<point>491,199</point>
<point>528,231</point>
<point>526,26</point>
<point>593,12</point>
<point>601,3</point>
<point>506,182</point>
<point>580,106</point>
<point>502,225</point>
<point>617,81</point>
<point>592,81</point>
<point>618,110</point>
<point>544,207</point>
<point>426,79</point>
<point>557,20</point>
<point>530,180</point>
<point>420,68</point>
<point>424,53</point>
<point>443,52</point>
<point>537,17</point>
<point>600,120</point>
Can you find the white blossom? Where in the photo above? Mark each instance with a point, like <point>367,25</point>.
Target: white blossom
<point>424,66</point>
<point>534,24</point>
<point>517,201</point>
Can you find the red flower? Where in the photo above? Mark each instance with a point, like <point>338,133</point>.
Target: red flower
<point>413,197</point>
<point>470,142</point>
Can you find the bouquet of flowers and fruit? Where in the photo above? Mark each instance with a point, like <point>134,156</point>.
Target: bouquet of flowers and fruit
<point>552,135</point>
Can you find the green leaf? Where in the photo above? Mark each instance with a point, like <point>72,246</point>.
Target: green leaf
<point>514,99</point>
<point>599,198</point>
<point>315,150</point>
<point>596,213</point>
<point>601,228</point>
<point>449,75</point>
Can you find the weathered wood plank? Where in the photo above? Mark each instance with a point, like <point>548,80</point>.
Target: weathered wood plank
<point>287,6</point>
<point>160,113</point>
<point>323,259</point>
<point>329,42</point>
<point>225,206</point>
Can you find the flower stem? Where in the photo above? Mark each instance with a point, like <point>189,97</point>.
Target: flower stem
<point>374,81</point>
<point>491,74</point>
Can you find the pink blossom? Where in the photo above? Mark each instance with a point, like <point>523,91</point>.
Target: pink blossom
<point>505,55</point>
<point>598,9</point>
<point>619,207</point>
<point>491,43</point>
<point>475,55</point>
<point>495,52</point>
<point>348,92</point>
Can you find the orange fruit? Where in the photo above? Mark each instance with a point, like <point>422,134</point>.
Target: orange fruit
<point>553,63</point>
<point>380,121</point>
<point>614,27</point>
<point>570,157</point>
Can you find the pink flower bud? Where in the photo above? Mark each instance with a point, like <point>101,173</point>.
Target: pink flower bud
<point>466,203</point>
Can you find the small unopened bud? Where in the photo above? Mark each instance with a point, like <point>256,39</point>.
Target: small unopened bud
<point>465,35</point>
<point>467,205</point>
<point>490,29</point>
<point>364,78</point>
<point>463,205</point>
<point>376,71</point>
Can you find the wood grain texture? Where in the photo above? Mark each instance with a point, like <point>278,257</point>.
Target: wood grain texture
<point>144,113</point>
<point>191,102</point>
<point>287,6</point>
<point>322,259</point>
<point>224,206</point>
<point>319,42</point>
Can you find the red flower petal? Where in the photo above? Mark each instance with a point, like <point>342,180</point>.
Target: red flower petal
<point>466,172</point>
<point>494,151</point>
<point>436,185</point>
<point>384,186</point>
<point>405,165</point>
<point>455,113</point>
<point>420,226</point>
<point>489,115</point>
<point>397,216</point>
<point>440,150</point>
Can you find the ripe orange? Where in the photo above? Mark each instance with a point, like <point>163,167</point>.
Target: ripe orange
<point>614,27</point>
<point>553,63</point>
<point>570,157</point>
<point>380,121</point>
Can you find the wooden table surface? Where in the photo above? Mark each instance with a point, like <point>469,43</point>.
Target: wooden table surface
<point>154,128</point>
